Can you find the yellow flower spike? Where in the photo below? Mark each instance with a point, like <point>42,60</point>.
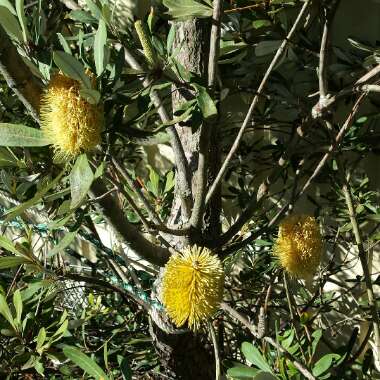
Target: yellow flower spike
<point>73,125</point>
<point>192,286</point>
<point>299,245</point>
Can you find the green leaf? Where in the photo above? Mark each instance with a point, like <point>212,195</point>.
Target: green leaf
<point>324,363</point>
<point>22,19</point>
<point>7,4</point>
<point>264,376</point>
<point>41,337</point>
<point>14,212</point>
<point>71,67</point>
<point>94,9</point>
<point>205,102</point>
<point>187,9</point>
<point>20,135</point>
<point>99,44</point>
<point>39,367</point>
<point>261,23</point>
<point>17,302</point>
<point>64,43</point>
<point>5,311</point>
<point>84,362</point>
<point>125,369</point>
<point>12,261</point>
<point>90,95</point>
<point>65,242</point>
<point>169,184</point>
<point>81,178</point>
<point>7,244</point>
<point>242,373</point>
<point>62,329</point>
<point>170,39</point>
<point>253,355</point>
<point>82,16</point>
<point>267,47</point>
<point>154,180</point>
<point>8,159</point>
<point>10,24</point>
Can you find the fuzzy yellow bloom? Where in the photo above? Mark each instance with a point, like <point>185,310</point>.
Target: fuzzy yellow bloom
<point>192,286</point>
<point>299,245</point>
<point>73,125</point>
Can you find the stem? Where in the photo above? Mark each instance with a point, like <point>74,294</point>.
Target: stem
<point>366,271</point>
<point>200,195</point>
<point>216,351</point>
<point>18,76</point>
<point>249,115</point>
<point>126,231</point>
<point>179,153</point>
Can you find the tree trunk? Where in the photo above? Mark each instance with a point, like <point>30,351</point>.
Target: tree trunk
<point>190,356</point>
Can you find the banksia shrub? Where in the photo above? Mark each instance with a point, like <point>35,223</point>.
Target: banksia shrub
<point>192,286</point>
<point>72,124</point>
<point>299,245</point>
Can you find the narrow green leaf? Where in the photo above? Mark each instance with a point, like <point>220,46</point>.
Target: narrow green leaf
<point>12,261</point>
<point>242,373</point>
<point>71,67</point>
<point>22,19</point>
<point>99,44</point>
<point>62,329</point>
<point>185,9</point>
<point>20,135</point>
<point>64,43</point>
<point>170,39</point>
<point>82,16</point>
<point>205,102</point>
<point>94,9</point>
<point>41,337</point>
<point>264,376</point>
<point>65,242</point>
<point>324,363</point>
<point>10,24</point>
<point>267,47</point>
<point>81,178</point>
<point>253,355</point>
<point>7,244</point>
<point>14,212</point>
<point>5,311</point>
<point>90,95</point>
<point>17,302</point>
<point>7,4</point>
<point>84,362</point>
<point>125,369</point>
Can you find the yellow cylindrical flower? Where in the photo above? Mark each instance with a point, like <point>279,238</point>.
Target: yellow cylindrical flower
<point>72,124</point>
<point>192,286</point>
<point>299,245</point>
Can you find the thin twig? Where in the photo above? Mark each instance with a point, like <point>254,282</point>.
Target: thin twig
<point>335,143</point>
<point>216,350</point>
<point>18,76</point>
<point>157,225</point>
<point>249,114</point>
<point>315,173</point>
<point>179,153</point>
<point>366,271</point>
<point>131,183</point>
